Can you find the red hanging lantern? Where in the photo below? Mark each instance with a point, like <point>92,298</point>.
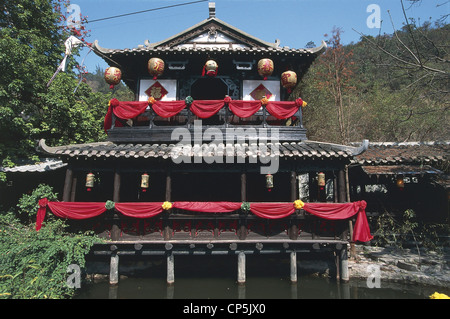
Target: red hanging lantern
<point>113,76</point>
<point>155,67</point>
<point>321,180</point>
<point>144,182</point>
<point>265,68</point>
<point>400,183</point>
<point>210,68</point>
<point>89,181</point>
<point>269,182</point>
<point>289,80</point>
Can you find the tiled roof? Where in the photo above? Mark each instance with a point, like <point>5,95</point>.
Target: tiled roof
<point>47,164</point>
<point>388,153</point>
<point>304,149</point>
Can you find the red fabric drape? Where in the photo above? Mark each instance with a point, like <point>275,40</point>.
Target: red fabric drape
<point>282,109</point>
<point>77,210</point>
<point>139,210</point>
<point>206,108</point>
<point>244,108</point>
<point>41,212</point>
<point>361,231</point>
<point>168,108</point>
<point>124,110</point>
<point>208,207</point>
<point>272,210</point>
<point>332,211</point>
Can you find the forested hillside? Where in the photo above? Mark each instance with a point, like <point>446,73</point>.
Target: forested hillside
<point>386,88</point>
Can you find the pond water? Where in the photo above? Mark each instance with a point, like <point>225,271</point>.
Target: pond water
<point>198,278</point>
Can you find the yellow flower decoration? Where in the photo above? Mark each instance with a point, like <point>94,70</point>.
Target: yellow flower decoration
<point>304,104</point>
<point>264,101</point>
<point>151,100</point>
<point>437,295</point>
<point>298,204</point>
<point>167,205</point>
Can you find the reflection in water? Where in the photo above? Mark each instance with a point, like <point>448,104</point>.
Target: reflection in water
<point>265,279</point>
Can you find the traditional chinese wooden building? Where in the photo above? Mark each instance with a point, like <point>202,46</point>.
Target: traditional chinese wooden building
<point>211,158</point>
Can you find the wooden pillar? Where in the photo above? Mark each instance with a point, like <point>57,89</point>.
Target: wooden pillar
<point>73,188</point>
<point>341,184</point>
<point>115,229</point>
<point>114,269</point>
<point>241,268</point>
<point>344,265</point>
<point>67,185</point>
<point>167,228</point>
<point>170,268</point>
<point>293,266</point>
<point>242,232</point>
<point>293,228</point>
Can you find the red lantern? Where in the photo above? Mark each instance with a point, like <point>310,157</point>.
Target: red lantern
<point>210,68</point>
<point>289,80</point>
<point>144,182</point>
<point>269,182</point>
<point>113,76</point>
<point>155,67</point>
<point>265,68</point>
<point>321,180</point>
<point>89,181</point>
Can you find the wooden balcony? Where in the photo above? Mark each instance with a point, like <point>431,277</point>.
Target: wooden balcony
<point>261,126</point>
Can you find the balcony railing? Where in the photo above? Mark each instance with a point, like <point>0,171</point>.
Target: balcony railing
<point>155,120</point>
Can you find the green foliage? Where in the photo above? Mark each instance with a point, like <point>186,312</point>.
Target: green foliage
<point>406,230</point>
<point>33,265</point>
<point>392,101</point>
<point>28,204</point>
<point>32,35</point>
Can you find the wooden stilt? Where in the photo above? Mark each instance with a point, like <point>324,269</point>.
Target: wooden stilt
<point>114,269</point>
<point>293,266</point>
<point>170,268</point>
<point>345,277</point>
<point>241,268</point>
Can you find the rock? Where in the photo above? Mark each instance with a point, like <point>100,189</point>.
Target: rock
<point>407,266</point>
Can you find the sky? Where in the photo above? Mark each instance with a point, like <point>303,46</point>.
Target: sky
<point>293,22</point>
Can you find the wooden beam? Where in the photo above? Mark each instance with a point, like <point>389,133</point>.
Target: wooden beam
<point>170,268</point>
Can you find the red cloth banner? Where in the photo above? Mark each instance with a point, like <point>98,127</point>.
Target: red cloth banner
<point>208,207</point>
<point>282,109</point>
<point>361,231</point>
<point>206,108</point>
<point>168,108</point>
<point>332,211</point>
<point>272,210</point>
<point>140,210</point>
<point>124,110</point>
<point>244,108</point>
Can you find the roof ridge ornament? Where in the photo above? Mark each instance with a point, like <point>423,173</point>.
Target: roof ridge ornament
<point>212,10</point>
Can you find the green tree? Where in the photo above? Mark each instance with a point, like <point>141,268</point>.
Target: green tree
<point>32,36</point>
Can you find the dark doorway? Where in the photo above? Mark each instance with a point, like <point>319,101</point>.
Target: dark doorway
<point>209,89</point>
